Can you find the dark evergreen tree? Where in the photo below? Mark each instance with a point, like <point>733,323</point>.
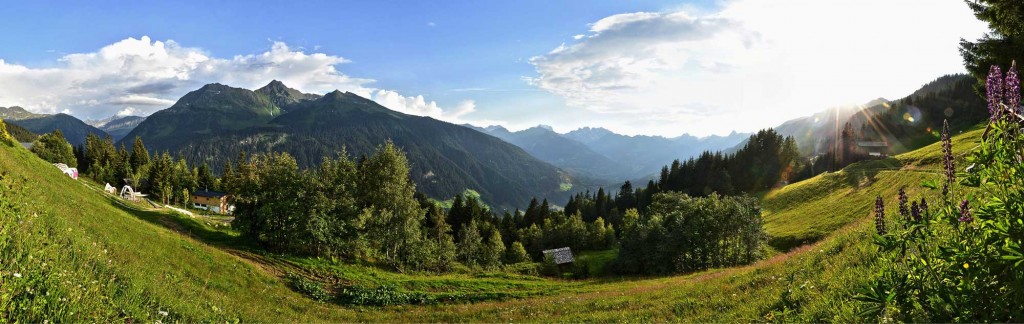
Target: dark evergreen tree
<point>1002,45</point>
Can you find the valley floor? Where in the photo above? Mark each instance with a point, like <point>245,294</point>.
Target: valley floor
<point>71,253</point>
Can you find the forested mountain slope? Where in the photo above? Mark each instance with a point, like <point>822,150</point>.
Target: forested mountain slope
<point>216,123</point>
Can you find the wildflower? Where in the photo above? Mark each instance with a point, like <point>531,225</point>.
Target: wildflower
<point>17,275</point>
<point>915,212</point>
<point>965,212</point>
<point>994,91</point>
<point>1013,89</point>
<point>903,203</point>
<point>162,313</point>
<point>924,208</point>
<point>879,216</point>
<point>948,162</point>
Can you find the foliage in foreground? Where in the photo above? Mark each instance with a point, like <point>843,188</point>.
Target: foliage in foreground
<point>962,260</point>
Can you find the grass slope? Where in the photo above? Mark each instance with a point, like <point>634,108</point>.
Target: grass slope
<point>79,255</point>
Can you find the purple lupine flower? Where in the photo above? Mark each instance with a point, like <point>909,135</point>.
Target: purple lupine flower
<point>1013,89</point>
<point>948,163</point>
<point>924,208</point>
<point>879,216</point>
<point>965,212</point>
<point>915,212</point>
<point>994,91</point>
<point>903,203</point>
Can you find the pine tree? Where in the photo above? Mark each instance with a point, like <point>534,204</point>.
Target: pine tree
<point>1005,42</point>
<point>139,155</point>
<point>205,178</point>
<point>532,215</point>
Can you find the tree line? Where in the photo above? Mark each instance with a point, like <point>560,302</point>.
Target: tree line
<point>368,209</point>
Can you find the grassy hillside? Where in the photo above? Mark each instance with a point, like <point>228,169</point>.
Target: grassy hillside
<point>71,253</point>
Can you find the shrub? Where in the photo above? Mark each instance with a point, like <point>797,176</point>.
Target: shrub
<point>313,289</point>
<point>5,138</point>
<point>516,253</point>
<point>381,296</point>
<point>548,267</point>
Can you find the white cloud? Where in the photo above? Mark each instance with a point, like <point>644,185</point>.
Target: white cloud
<point>754,63</point>
<point>133,99</point>
<point>140,76</point>
<point>417,105</point>
<point>127,111</point>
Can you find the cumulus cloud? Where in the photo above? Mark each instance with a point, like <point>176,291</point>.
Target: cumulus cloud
<point>141,76</point>
<point>753,63</point>
<point>418,105</point>
<point>127,111</point>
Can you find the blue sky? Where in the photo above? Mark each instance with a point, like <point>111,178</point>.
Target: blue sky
<point>637,67</point>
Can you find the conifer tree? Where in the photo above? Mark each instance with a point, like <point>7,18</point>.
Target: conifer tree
<point>139,155</point>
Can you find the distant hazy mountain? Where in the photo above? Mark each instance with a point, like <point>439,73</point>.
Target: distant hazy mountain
<point>645,155</point>
<point>814,133</point>
<point>16,113</point>
<point>906,124</point>
<point>563,152</point>
<point>117,126</point>
<point>215,123</point>
<point>74,129</point>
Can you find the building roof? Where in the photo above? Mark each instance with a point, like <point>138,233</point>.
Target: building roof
<point>211,194</point>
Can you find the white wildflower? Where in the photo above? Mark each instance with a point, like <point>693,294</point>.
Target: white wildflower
<point>163,313</point>
<point>17,275</point>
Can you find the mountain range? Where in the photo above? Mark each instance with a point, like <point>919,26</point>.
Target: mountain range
<point>74,129</point>
<point>117,126</point>
<point>605,156</point>
<point>215,123</point>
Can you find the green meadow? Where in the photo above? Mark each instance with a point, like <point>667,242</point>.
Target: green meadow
<point>69,252</point>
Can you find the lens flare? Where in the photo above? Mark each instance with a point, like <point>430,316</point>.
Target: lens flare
<point>912,115</point>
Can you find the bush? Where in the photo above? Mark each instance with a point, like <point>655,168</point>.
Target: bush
<point>5,138</point>
<point>548,267</point>
<point>53,148</point>
<point>580,270</point>
<point>381,296</point>
<point>516,253</point>
<point>307,287</point>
